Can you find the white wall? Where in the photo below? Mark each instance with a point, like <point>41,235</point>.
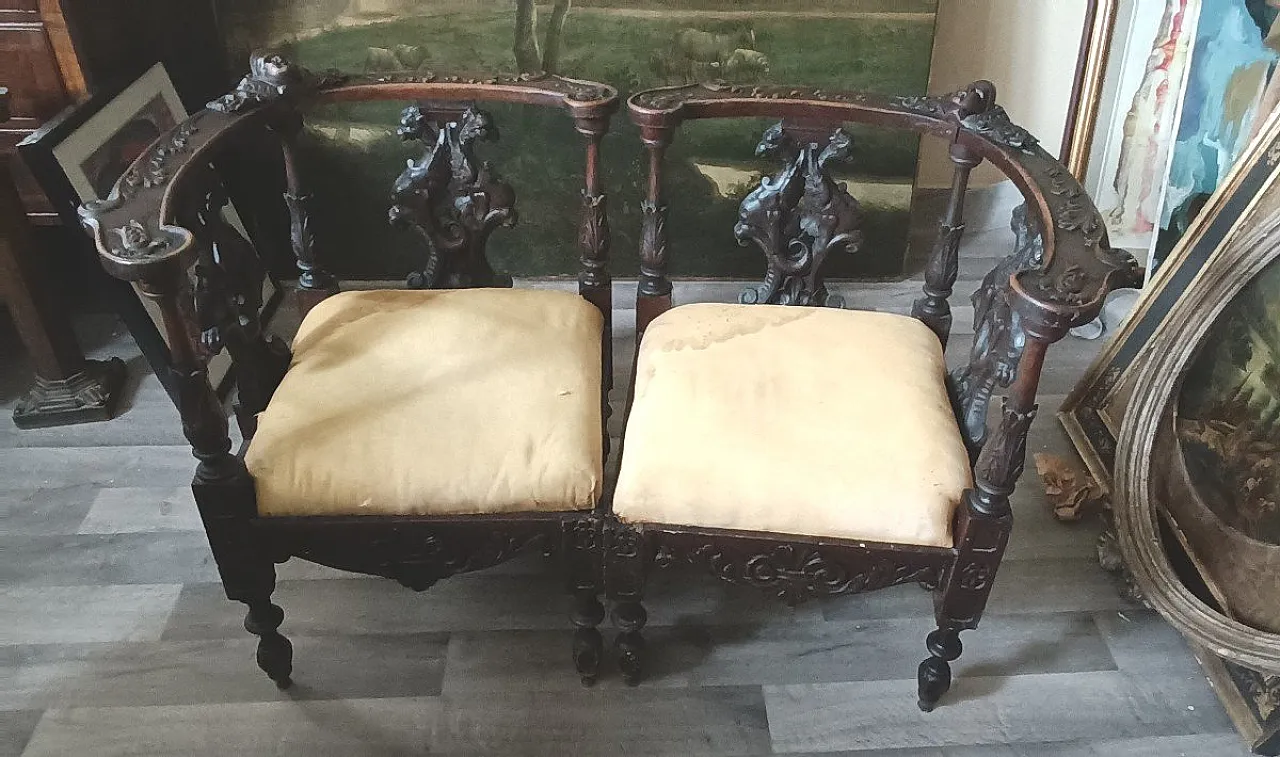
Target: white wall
<point>1028,48</point>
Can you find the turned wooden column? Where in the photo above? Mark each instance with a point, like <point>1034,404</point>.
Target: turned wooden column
<point>653,296</point>
<point>68,388</point>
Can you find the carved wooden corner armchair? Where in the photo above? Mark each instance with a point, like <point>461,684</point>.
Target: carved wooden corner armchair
<point>815,451</point>
<point>412,434</point>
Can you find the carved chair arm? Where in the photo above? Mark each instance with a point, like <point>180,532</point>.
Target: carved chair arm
<point>1078,267</point>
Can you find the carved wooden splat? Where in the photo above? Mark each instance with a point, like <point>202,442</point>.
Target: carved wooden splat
<point>797,217</point>
<point>452,199</point>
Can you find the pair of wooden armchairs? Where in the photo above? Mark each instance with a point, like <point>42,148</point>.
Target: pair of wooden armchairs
<point>420,433</point>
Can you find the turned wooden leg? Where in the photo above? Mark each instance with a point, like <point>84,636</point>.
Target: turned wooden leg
<point>935,672</point>
<point>628,555</point>
<point>629,617</point>
<point>224,494</point>
<point>588,645</point>
<point>275,653</point>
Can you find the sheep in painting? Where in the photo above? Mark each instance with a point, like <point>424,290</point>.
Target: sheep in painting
<point>744,65</point>
<point>710,47</point>
<point>380,59</point>
<point>394,60</point>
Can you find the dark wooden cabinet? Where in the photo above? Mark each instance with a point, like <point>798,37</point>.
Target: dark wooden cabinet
<point>39,66</point>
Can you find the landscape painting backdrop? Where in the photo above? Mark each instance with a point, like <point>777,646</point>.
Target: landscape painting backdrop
<point>353,153</point>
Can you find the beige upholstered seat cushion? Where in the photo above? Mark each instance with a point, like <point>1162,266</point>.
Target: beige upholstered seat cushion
<point>433,403</point>
<point>793,420</point>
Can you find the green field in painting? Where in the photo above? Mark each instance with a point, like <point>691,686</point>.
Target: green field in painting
<point>541,155</point>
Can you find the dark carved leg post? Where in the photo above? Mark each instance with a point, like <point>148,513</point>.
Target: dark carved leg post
<point>627,561</point>
<point>594,240</point>
<point>248,574</point>
<point>935,672</point>
<point>582,555</point>
<point>275,653</point>
<point>222,486</point>
<point>629,618</point>
<point>588,644</point>
<point>983,527</point>
<point>940,274</point>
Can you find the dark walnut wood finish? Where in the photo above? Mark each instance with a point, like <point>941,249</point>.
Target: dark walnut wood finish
<point>161,227</point>
<point>1057,277</point>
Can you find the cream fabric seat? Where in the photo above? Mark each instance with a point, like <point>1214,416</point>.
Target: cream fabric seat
<point>436,403</point>
<point>793,420</point>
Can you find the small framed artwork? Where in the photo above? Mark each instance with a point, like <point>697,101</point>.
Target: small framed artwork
<point>79,155</point>
<point>1095,407</point>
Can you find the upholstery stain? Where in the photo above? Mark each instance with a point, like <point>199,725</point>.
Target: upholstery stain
<point>726,326</point>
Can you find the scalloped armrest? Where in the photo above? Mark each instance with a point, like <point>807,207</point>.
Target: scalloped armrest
<point>1078,267</point>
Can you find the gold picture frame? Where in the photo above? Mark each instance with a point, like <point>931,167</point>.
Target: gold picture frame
<point>1093,410</point>
<point>1086,94</point>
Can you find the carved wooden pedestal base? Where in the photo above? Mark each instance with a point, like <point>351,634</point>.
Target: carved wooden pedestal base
<point>89,395</point>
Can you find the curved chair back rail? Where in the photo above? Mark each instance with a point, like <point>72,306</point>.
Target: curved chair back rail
<point>149,193</point>
<point>1078,267</point>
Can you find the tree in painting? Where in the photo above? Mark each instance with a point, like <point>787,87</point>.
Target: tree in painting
<point>525,47</point>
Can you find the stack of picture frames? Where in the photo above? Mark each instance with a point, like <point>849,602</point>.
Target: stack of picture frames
<point>1178,418</point>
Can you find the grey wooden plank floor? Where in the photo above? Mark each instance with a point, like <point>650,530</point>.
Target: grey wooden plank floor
<point>117,639</point>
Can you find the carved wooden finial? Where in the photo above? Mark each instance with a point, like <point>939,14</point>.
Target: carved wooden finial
<point>271,76</point>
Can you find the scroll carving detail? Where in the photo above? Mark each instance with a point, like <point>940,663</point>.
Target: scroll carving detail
<point>154,171</point>
<point>797,217</point>
<point>593,239</point>
<point>994,124</point>
<point>451,199</point>
<point>1004,455</point>
<point>653,250</point>
<point>795,573</point>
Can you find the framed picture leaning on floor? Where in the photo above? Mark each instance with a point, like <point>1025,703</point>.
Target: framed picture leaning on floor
<point>79,156</point>
<point>1092,412</point>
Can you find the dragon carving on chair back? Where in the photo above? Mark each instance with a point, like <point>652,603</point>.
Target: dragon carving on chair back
<point>451,199</point>
<point>797,217</point>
